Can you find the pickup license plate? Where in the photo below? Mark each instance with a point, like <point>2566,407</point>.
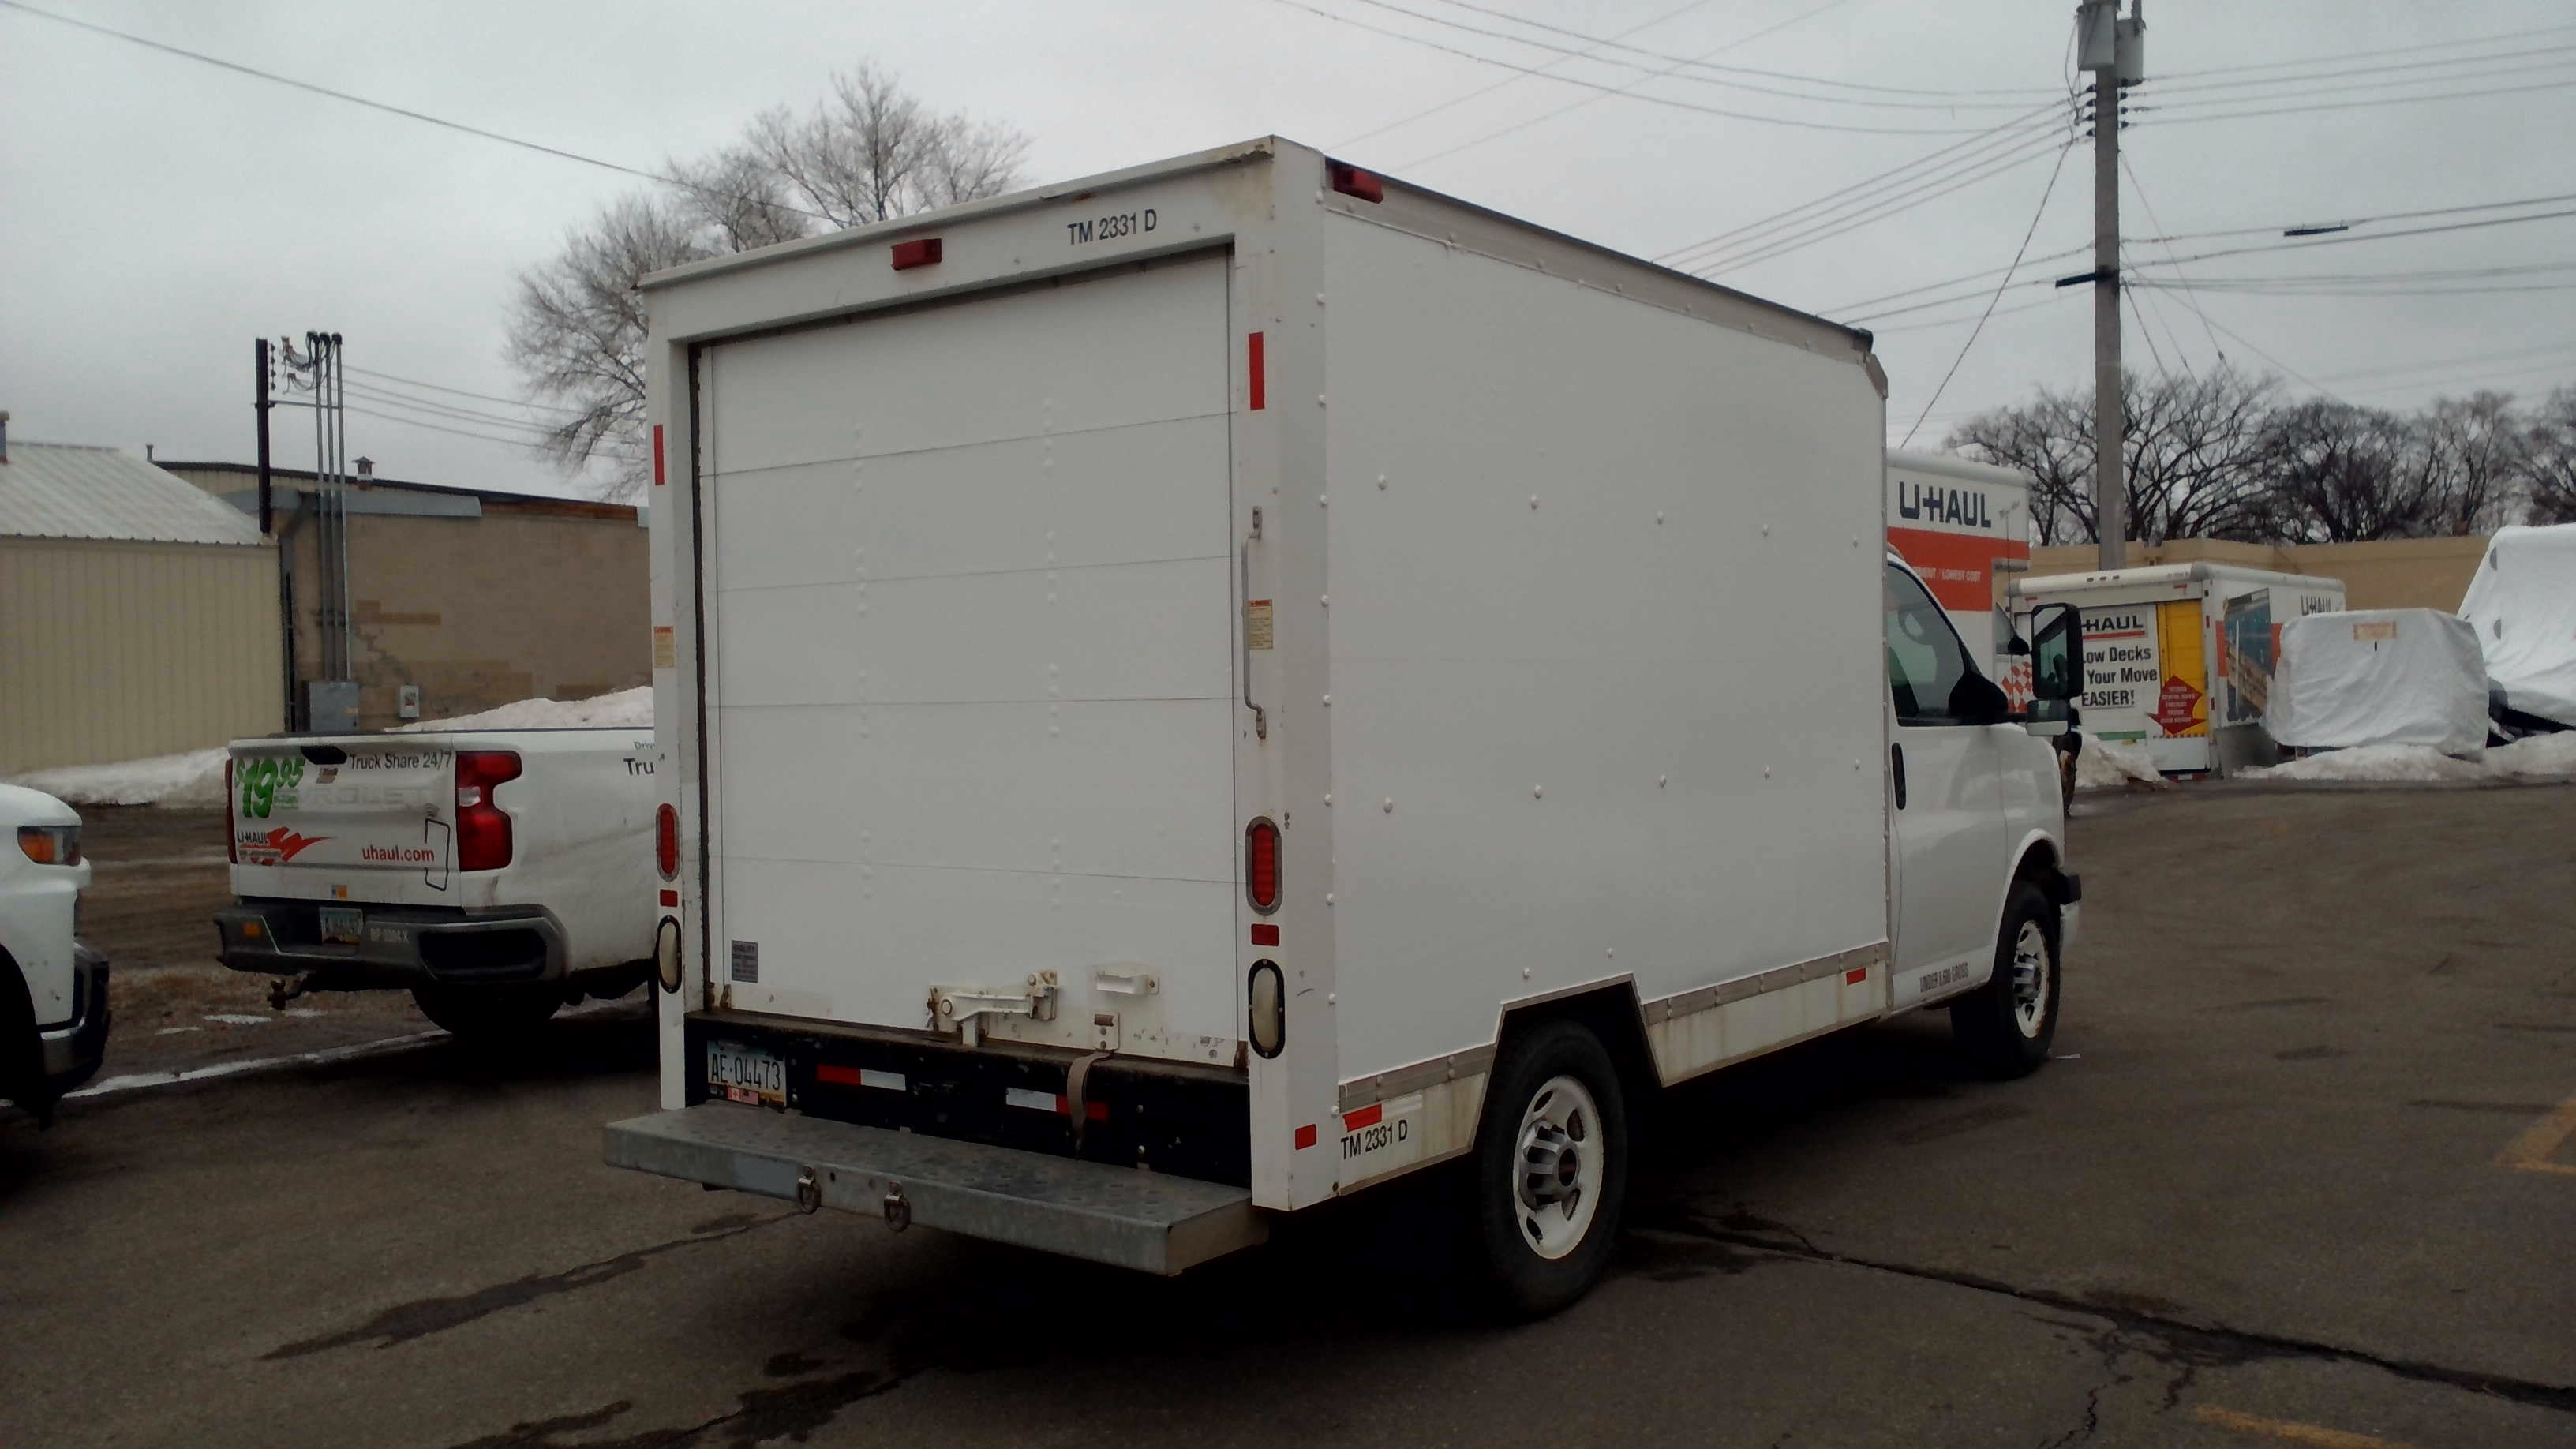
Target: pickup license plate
<point>343,925</point>
<point>745,1075</point>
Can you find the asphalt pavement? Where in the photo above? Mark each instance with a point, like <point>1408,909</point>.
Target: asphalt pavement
<point>2302,1176</point>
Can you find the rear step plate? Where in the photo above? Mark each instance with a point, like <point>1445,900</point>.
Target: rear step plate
<point>1115,1215</point>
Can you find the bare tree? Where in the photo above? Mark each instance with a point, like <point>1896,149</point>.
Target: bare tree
<point>576,332</point>
<point>2477,448</point>
<point>870,152</point>
<point>2549,459</point>
<point>2192,446</point>
<point>2337,473</point>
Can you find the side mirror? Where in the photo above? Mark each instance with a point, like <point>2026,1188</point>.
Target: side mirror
<point>2048,718</point>
<point>2056,655</point>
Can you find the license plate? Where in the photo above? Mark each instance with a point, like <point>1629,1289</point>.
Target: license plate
<point>343,925</point>
<point>745,1075</point>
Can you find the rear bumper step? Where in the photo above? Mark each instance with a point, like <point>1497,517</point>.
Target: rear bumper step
<point>1117,1215</point>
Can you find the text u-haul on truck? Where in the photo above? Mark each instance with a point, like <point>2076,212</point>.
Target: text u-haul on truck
<point>1203,689</point>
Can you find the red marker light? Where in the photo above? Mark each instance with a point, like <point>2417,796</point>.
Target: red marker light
<point>1261,865</point>
<point>1352,181</point>
<point>666,844</point>
<point>1265,933</point>
<point>919,252</point>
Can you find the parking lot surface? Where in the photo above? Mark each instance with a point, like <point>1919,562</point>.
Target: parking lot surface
<point>2301,1176</point>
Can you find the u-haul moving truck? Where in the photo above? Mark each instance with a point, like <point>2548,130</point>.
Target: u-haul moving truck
<point>2178,657</point>
<point>1201,690</point>
<point>1955,520</point>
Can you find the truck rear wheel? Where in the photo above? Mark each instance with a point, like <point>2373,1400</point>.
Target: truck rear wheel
<point>480,1014</point>
<point>1550,1170</point>
<point>2006,1025</point>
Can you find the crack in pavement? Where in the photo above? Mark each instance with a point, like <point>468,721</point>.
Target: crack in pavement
<point>2185,1345</point>
<point>418,1319</point>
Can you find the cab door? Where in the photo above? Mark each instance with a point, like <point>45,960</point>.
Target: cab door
<point>1946,786</point>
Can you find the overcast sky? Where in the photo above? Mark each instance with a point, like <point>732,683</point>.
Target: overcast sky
<point>157,214</point>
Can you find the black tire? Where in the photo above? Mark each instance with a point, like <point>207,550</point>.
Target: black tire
<point>1519,1280</point>
<point>488,1014</point>
<point>1991,1024</point>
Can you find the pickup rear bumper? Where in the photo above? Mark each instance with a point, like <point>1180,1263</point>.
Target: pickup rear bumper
<point>1122,1216</point>
<point>397,945</point>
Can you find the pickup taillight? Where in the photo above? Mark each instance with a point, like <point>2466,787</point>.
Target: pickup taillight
<point>482,829</point>
<point>232,834</point>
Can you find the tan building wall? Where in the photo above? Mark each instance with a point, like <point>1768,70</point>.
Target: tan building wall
<point>531,600</point>
<point>2395,573</point>
<point>117,651</point>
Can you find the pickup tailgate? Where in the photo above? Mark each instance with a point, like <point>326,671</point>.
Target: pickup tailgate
<point>361,818</point>
<point>970,600</point>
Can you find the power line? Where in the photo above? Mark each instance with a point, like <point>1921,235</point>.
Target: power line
<point>430,408</point>
<point>2376,236</point>
<point>1511,80</point>
<point>620,454</point>
<point>2028,123</point>
<point>2153,220</point>
<point>1681,105</point>
<point>2447,382</point>
<point>1962,317</point>
<point>1592,100</point>
<point>1853,308</point>
<point>2194,104</point>
<point>2165,84</point>
<point>1904,201</point>
<point>393,110</point>
<point>2318,60</point>
<point>1737,69</point>
<point>2197,117</point>
<point>2277,227</point>
<point>1678,65</point>
<point>2032,230</point>
<point>460,392</point>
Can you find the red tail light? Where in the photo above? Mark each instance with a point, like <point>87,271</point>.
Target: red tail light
<point>232,833</point>
<point>666,841</point>
<point>482,830</point>
<point>1261,864</point>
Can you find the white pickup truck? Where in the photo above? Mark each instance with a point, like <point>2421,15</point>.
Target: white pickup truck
<point>497,875</point>
<point>53,989</point>
<point>1250,670</point>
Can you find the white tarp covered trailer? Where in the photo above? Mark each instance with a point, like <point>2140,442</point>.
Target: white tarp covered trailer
<point>2522,602</point>
<point>2378,677</point>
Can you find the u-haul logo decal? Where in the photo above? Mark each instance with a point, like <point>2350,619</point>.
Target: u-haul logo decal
<point>276,847</point>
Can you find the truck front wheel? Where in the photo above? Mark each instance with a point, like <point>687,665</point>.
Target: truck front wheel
<point>494,1014</point>
<point>2005,1026</point>
<point>1551,1169</point>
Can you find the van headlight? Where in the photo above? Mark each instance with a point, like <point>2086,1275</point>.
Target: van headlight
<point>50,844</point>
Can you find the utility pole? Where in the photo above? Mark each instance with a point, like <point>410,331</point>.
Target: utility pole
<point>2113,49</point>
<point>259,366</point>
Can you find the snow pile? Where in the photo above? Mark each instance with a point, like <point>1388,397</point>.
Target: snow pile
<point>2542,757</point>
<point>193,779</point>
<point>2375,763</point>
<point>627,708</point>
<point>196,779</point>
<point>2111,765</point>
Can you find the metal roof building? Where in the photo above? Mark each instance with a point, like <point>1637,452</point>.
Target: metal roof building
<point>138,616</point>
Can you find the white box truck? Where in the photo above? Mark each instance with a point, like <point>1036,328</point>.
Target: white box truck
<point>1964,526</point>
<point>1201,690</point>
<point>2178,657</point>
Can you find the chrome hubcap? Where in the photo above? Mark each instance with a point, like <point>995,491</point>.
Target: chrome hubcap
<point>1558,1184</point>
<point>2030,978</point>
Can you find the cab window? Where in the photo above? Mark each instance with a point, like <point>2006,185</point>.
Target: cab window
<point>1926,664</point>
